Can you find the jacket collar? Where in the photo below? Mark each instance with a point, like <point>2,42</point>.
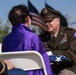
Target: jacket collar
<point>21,26</point>
<point>60,36</point>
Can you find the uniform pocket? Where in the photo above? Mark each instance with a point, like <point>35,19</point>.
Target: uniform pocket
<point>63,46</point>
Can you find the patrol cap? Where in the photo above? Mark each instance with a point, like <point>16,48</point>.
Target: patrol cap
<point>49,14</point>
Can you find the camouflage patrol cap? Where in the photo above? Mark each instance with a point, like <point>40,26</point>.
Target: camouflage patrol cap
<point>49,14</point>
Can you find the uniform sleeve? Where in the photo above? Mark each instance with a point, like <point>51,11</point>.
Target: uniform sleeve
<point>37,44</point>
<point>3,68</point>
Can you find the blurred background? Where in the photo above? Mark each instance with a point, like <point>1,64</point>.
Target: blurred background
<point>66,7</point>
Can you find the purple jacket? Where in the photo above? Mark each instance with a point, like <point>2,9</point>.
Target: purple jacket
<point>23,39</point>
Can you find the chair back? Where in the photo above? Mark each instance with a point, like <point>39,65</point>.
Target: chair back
<point>26,60</point>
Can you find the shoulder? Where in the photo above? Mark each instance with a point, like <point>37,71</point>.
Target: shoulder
<point>67,28</point>
<point>71,31</point>
<point>33,36</point>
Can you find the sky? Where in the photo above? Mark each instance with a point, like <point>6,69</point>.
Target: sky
<point>64,6</point>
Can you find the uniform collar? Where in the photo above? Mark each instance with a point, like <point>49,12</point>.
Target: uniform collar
<point>55,35</point>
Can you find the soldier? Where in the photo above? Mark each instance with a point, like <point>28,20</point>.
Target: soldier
<point>59,41</point>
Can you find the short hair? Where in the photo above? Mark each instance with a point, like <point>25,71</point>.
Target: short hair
<point>18,14</point>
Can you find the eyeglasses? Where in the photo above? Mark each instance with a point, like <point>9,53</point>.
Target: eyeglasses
<point>49,20</point>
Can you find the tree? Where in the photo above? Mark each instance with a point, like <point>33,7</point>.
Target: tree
<point>4,29</point>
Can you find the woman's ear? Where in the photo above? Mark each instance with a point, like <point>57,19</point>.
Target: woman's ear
<point>27,19</point>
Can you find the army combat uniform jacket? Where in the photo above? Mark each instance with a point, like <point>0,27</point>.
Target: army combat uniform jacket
<point>65,44</point>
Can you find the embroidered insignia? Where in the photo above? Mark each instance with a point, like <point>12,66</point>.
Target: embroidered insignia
<point>45,11</point>
<point>64,39</point>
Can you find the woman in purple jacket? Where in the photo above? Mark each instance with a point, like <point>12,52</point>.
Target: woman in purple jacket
<point>22,38</point>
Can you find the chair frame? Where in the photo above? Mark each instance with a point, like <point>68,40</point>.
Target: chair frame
<point>29,60</point>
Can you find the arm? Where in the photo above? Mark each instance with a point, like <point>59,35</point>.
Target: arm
<point>37,44</point>
<point>3,68</point>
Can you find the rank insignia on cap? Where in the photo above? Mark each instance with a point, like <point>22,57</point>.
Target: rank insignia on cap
<point>45,11</point>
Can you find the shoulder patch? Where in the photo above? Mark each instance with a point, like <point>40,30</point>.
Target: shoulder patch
<point>75,34</point>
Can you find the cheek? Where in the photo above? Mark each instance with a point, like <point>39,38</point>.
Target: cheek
<point>30,21</point>
<point>54,25</point>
